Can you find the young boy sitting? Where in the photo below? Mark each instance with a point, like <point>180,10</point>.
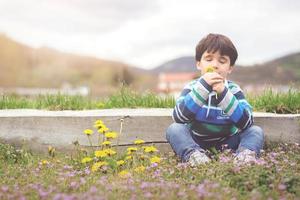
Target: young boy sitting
<point>212,111</point>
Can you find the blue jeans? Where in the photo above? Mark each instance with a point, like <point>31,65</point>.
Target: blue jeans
<point>183,142</point>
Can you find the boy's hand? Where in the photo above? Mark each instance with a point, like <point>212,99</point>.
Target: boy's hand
<point>218,87</point>
<point>212,78</point>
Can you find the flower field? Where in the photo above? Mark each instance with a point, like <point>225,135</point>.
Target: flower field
<point>142,172</point>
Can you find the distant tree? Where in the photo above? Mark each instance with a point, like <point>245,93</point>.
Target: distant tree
<point>125,77</point>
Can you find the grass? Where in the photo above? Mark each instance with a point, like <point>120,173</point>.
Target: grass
<point>268,101</point>
<point>24,175</point>
<point>142,172</point>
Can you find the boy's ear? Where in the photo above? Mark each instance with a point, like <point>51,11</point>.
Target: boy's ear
<point>198,65</point>
<point>230,69</point>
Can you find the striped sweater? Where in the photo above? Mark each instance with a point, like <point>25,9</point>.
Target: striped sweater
<point>213,118</point>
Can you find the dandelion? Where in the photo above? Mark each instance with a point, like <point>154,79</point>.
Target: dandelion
<point>150,149</point>
<point>138,141</point>
<point>51,151</point>
<point>111,135</point>
<point>109,152</point>
<point>131,149</point>
<point>142,157</point>
<point>99,121</point>
<point>45,162</point>
<point>120,162</point>
<point>106,142</point>
<point>103,129</point>
<point>88,132</point>
<point>100,154</point>
<point>208,69</point>
<point>97,126</point>
<point>139,169</point>
<point>86,160</point>
<point>128,157</point>
<point>98,165</point>
<point>124,174</point>
<point>155,159</point>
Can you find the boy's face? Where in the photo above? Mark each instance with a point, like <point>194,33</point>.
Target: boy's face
<point>221,63</point>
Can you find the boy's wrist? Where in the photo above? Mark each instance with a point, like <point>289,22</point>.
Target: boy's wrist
<point>222,95</point>
<point>205,84</point>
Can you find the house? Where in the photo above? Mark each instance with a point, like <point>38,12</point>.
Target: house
<point>173,83</point>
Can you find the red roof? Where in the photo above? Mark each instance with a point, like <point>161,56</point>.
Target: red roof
<point>184,76</point>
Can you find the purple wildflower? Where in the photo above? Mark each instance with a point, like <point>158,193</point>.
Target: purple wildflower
<point>281,187</point>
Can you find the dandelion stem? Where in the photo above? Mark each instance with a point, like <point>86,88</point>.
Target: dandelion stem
<point>98,139</point>
<point>121,129</point>
<point>90,141</point>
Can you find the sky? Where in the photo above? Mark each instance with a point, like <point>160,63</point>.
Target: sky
<point>148,33</point>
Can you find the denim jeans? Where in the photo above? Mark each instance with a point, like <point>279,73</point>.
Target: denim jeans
<point>183,142</point>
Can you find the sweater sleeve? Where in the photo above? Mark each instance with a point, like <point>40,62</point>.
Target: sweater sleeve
<point>191,101</point>
<point>236,107</point>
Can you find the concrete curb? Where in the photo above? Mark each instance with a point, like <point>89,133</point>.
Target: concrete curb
<point>40,128</point>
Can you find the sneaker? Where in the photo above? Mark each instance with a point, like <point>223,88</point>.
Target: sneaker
<point>198,158</point>
<point>245,156</point>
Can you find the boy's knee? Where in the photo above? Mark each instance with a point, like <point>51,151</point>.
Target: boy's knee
<point>258,132</point>
<point>173,130</point>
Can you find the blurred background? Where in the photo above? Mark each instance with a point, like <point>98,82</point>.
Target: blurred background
<point>91,47</point>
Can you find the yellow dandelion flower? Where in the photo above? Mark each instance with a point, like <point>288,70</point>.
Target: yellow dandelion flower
<point>98,126</point>
<point>98,122</point>
<point>124,174</point>
<point>51,151</point>
<point>139,169</point>
<point>155,159</point>
<point>88,132</point>
<point>100,154</point>
<point>138,141</point>
<point>103,129</point>
<point>111,135</point>
<point>45,162</point>
<point>98,165</point>
<point>131,149</point>
<point>208,69</point>
<point>109,152</point>
<point>120,162</point>
<point>128,157</point>
<point>150,149</point>
<point>106,142</point>
<point>86,160</point>
<point>142,157</point>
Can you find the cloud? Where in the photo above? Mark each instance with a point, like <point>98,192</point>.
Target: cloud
<point>77,16</point>
<point>148,33</point>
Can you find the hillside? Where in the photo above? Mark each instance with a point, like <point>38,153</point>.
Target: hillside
<point>182,64</point>
<point>280,71</point>
<point>24,66</point>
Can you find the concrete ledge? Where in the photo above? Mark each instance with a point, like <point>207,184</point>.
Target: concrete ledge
<point>39,128</point>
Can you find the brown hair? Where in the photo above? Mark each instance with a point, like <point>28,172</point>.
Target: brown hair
<point>217,42</point>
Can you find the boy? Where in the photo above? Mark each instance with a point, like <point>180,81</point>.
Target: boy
<point>212,111</point>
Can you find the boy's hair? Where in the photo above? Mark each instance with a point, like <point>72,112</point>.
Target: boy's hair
<point>217,42</point>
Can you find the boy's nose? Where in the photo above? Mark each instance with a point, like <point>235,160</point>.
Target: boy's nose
<point>215,65</point>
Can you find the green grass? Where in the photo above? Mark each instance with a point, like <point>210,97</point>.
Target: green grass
<point>25,175</point>
<point>268,101</point>
<point>274,102</point>
<point>127,98</point>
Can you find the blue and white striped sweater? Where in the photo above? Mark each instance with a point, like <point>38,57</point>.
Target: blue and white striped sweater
<point>227,114</point>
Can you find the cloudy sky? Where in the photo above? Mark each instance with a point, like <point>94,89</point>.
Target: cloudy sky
<point>146,33</point>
